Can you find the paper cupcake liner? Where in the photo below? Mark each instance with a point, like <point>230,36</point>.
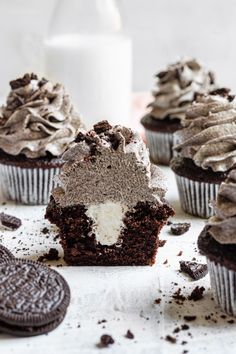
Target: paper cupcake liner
<point>223,284</point>
<point>195,196</point>
<point>176,141</point>
<point>160,146</point>
<point>27,185</point>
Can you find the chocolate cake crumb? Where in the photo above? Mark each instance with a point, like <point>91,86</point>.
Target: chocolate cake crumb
<point>178,296</point>
<point>161,243</point>
<point>45,230</point>
<point>179,228</point>
<point>197,293</point>
<point>180,254</point>
<point>52,255</point>
<point>9,221</point>
<point>188,318</point>
<point>102,321</point>
<point>184,327</point>
<point>129,335</point>
<point>166,261</point>
<point>157,301</point>
<point>230,321</point>
<point>176,330</point>
<point>105,341</point>
<point>195,270</point>
<point>170,339</point>
<point>184,342</point>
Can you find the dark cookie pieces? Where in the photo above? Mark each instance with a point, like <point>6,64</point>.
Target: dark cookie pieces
<point>195,270</point>
<point>179,228</point>
<point>9,221</point>
<point>33,297</point>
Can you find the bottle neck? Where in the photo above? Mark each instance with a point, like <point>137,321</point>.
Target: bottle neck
<point>85,17</point>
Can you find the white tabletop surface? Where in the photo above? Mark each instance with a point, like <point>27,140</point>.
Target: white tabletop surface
<point>123,296</point>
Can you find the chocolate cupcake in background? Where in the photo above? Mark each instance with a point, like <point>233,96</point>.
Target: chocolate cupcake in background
<point>218,242</point>
<point>206,150</point>
<point>177,87</point>
<point>37,124</point>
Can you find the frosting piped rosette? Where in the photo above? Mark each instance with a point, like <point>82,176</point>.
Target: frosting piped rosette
<point>38,117</point>
<point>210,129</point>
<point>177,87</point>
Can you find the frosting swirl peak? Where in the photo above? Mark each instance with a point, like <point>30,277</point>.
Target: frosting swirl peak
<point>210,129</point>
<point>38,118</point>
<point>177,87</point>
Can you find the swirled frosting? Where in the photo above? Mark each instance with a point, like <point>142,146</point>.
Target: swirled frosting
<point>108,164</point>
<point>38,118</point>
<point>223,223</point>
<point>177,87</point>
<point>209,136</point>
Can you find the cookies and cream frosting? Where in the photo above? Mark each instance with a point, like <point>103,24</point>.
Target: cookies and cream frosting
<point>209,136</point>
<point>38,118</point>
<point>177,87</point>
<point>108,170</point>
<point>222,226</point>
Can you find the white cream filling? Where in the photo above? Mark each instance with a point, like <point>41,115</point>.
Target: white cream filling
<point>107,221</point>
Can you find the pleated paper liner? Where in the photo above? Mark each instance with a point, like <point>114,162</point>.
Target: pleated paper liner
<point>223,284</point>
<point>27,185</point>
<point>195,197</point>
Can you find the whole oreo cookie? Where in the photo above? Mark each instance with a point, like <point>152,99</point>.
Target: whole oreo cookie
<point>33,298</point>
<point>5,254</point>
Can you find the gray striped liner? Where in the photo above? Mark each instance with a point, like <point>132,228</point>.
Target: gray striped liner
<point>27,185</point>
<point>160,146</point>
<point>223,284</point>
<point>195,196</point>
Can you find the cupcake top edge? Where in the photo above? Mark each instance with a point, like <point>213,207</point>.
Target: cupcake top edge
<point>108,163</point>
<point>38,118</point>
<point>208,137</point>
<point>177,87</point>
<point>222,225</point>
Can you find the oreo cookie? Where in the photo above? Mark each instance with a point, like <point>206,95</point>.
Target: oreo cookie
<point>5,254</point>
<point>33,298</point>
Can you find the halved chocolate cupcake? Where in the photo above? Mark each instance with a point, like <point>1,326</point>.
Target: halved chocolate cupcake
<point>177,88</point>
<point>109,205</point>
<point>206,150</point>
<point>37,124</point>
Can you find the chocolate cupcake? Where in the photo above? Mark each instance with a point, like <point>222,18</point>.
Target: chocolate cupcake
<point>37,124</point>
<point>206,150</point>
<point>218,242</point>
<point>109,205</point>
<point>177,87</point>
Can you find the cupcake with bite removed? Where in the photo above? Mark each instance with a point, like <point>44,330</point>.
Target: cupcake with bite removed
<point>206,150</point>
<point>218,242</point>
<point>177,87</point>
<point>37,124</point>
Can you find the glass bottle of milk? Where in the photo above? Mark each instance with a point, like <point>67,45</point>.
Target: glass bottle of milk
<point>87,52</point>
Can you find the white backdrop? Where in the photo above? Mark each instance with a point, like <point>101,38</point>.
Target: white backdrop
<point>162,30</point>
